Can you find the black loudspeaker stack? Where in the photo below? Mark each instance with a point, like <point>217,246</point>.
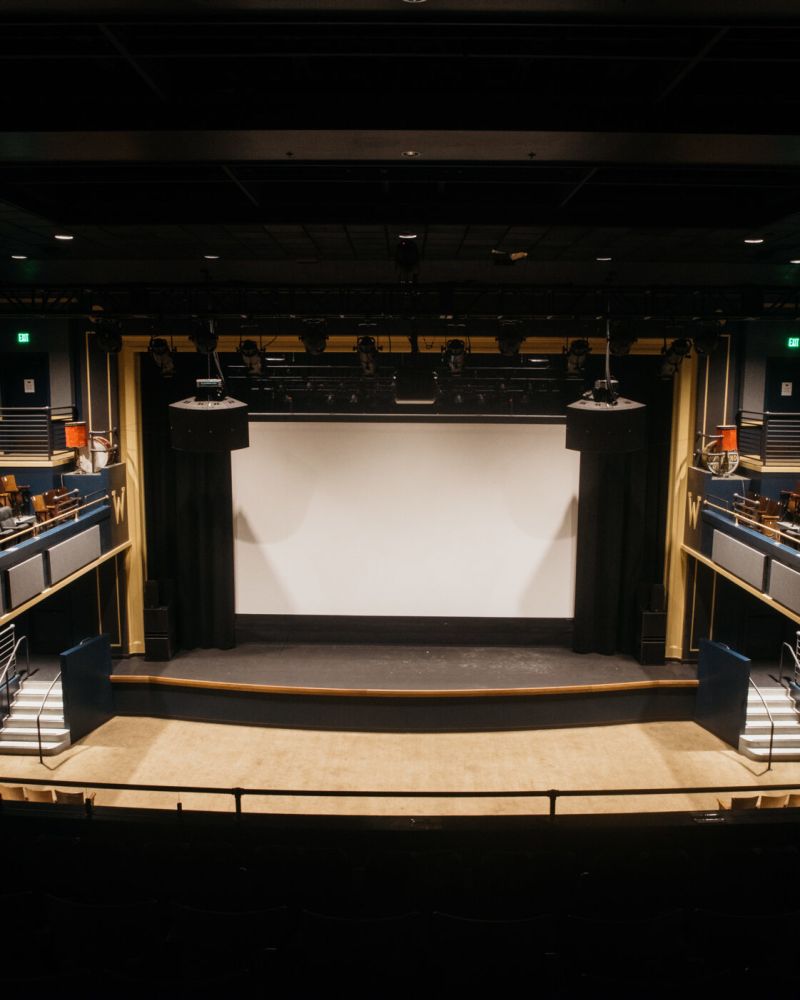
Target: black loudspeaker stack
<point>160,641</point>
<point>651,626</point>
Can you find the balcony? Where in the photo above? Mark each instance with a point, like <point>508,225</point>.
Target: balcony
<point>769,442</point>
<point>33,436</point>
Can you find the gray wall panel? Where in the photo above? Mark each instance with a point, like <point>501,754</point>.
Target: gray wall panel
<point>784,586</point>
<point>69,556</point>
<point>26,580</point>
<point>739,559</point>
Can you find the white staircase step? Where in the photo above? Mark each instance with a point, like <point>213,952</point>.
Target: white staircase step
<point>29,719</point>
<point>779,739</point>
<point>769,695</point>
<point>31,731</point>
<point>28,747</point>
<point>41,686</point>
<point>784,710</point>
<point>26,703</point>
<point>778,753</point>
<point>781,725</point>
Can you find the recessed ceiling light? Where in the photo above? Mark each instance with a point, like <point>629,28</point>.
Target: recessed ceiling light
<point>64,236</point>
<point>754,239</point>
<point>602,258</point>
<point>18,256</point>
<point>210,256</point>
<point>794,261</point>
<point>407,236</point>
<point>410,153</point>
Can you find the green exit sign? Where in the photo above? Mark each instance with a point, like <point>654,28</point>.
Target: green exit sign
<point>23,337</point>
<point>793,342</point>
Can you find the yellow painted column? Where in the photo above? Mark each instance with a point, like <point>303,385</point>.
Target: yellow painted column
<point>680,459</point>
<point>130,440</point>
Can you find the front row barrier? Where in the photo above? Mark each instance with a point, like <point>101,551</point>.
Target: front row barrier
<point>551,794</point>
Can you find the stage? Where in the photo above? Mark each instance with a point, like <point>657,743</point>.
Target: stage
<point>381,687</point>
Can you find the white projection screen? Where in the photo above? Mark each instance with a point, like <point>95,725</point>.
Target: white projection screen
<point>421,519</point>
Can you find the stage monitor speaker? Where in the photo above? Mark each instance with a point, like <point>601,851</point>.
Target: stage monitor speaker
<point>158,647</point>
<point>651,652</point>
<point>653,625</point>
<point>603,427</point>
<point>159,621</point>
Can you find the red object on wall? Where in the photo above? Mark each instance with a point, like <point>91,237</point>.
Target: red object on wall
<point>76,435</point>
<point>728,432</point>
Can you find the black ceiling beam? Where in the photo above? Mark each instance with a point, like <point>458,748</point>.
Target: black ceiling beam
<point>231,146</point>
<point>136,66</point>
<point>645,10</point>
<point>341,304</point>
<point>692,64</point>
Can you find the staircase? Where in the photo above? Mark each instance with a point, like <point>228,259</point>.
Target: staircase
<point>754,741</point>
<point>18,734</point>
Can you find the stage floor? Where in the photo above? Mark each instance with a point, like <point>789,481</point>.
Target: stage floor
<point>404,670</point>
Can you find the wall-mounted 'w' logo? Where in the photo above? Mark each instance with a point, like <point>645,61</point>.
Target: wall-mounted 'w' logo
<point>118,501</point>
<point>695,503</point>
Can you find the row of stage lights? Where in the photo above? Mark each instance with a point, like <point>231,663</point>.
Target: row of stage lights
<point>108,335</point>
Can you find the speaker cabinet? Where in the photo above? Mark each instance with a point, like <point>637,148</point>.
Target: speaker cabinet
<point>158,647</point>
<point>598,427</point>
<point>651,652</point>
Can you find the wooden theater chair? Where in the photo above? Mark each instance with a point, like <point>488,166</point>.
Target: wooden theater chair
<point>72,798</point>
<point>38,794</point>
<point>60,501</point>
<point>12,793</point>
<point>18,494</point>
<point>40,508</point>
<point>740,802</point>
<point>773,801</point>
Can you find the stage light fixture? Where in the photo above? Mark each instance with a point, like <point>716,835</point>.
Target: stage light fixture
<point>510,338</point>
<point>406,254</point>
<point>108,335</point>
<point>507,258</point>
<point>622,340</point>
<point>204,336</point>
<point>455,355</point>
<point>251,355</point>
<point>706,337</point>
<point>576,357</point>
<point>313,336</point>
<point>162,355</point>
<point>367,350</point>
<point>673,355</point>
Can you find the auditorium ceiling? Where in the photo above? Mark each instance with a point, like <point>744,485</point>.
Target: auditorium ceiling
<point>278,141</point>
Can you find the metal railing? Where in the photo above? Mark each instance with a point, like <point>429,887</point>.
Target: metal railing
<point>795,655</point>
<point>40,527</point>
<point>33,431</point>
<point>39,715</point>
<point>553,795</point>
<point>5,676</point>
<point>771,722</point>
<point>773,438</point>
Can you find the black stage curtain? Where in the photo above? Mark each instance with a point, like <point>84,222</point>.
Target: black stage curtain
<point>189,512</point>
<point>622,513</point>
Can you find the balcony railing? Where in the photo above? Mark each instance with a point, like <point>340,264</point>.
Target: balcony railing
<point>33,431</point>
<point>771,438</point>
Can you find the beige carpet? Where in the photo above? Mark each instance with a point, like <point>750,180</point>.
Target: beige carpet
<point>156,751</point>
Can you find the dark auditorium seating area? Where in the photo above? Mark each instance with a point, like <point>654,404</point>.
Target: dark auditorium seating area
<point>631,910</point>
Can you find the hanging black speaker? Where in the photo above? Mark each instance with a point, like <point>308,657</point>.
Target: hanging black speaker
<point>209,421</point>
<point>605,427</point>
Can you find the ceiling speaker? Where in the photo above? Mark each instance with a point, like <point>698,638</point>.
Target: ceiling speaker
<point>209,421</point>
<point>603,427</point>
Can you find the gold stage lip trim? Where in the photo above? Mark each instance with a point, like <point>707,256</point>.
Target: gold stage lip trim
<point>283,689</point>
